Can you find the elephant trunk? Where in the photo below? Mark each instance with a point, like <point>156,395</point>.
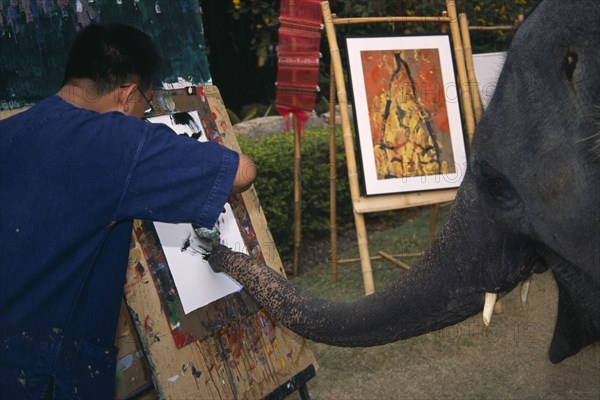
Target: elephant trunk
<point>432,295</point>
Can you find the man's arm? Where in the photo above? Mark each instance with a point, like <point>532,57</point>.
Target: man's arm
<point>246,173</point>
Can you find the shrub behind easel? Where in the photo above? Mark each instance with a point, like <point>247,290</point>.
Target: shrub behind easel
<point>275,184</point>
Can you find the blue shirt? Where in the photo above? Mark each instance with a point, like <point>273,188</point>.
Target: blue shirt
<point>71,182</point>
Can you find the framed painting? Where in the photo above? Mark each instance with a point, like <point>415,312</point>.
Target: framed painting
<point>407,113</point>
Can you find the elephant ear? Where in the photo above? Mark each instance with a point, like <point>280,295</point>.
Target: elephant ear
<point>578,321</point>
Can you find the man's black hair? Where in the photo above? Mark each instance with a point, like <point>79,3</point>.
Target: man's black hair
<point>112,55</point>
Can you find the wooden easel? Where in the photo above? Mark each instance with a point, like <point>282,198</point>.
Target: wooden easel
<point>246,355</point>
<point>361,204</point>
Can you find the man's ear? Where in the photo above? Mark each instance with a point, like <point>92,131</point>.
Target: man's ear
<point>124,93</point>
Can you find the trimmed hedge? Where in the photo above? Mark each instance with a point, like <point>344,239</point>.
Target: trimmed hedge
<point>274,157</point>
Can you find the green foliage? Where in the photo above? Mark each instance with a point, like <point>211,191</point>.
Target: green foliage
<point>251,114</point>
<point>274,157</point>
<point>233,117</point>
<point>262,17</point>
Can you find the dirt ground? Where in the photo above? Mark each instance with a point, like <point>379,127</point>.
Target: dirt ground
<point>507,360</point>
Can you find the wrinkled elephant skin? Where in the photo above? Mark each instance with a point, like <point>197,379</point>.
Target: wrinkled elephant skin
<point>530,200</point>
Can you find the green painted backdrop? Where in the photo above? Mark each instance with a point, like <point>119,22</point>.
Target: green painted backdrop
<point>35,36</point>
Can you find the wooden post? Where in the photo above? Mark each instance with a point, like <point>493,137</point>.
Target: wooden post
<point>473,86</point>
<point>391,20</point>
<point>433,214</point>
<point>379,257</point>
<point>297,196</point>
<point>332,174</point>
<point>361,230</point>
<point>394,261</point>
<point>463,82</point>
<point>444,27</point>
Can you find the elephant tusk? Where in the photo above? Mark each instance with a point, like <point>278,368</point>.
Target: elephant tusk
<point>488,307</point>
<point>525,291</point>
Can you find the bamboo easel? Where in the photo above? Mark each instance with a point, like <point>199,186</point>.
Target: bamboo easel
<point>468,51</point>
<point>360,204</point>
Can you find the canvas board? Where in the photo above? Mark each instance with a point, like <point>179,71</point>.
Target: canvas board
<point>407,113</point>
<point>196,283</point>
<point>487,70</point>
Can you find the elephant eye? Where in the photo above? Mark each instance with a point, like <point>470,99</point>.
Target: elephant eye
<point>569,63</point>
<point>497,187</point>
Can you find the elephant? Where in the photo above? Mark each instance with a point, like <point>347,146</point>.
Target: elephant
<point>529,202</point>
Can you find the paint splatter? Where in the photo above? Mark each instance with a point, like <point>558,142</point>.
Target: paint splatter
<point>22,379</point>
<point>151,329</point>
<point>196,373</point>
<point>125,362</point>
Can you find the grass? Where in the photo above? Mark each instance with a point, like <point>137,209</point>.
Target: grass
<point>409,236</point>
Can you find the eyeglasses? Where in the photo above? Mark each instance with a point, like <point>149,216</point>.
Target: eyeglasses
<point>150,109</point>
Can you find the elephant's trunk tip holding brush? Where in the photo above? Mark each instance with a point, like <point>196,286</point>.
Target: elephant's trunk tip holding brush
<point>530,201</point>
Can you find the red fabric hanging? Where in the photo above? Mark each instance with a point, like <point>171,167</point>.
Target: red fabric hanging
<point>298,60</point>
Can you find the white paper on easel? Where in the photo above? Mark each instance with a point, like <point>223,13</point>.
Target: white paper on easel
<point>183,123</point>
<point>194,279</point>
